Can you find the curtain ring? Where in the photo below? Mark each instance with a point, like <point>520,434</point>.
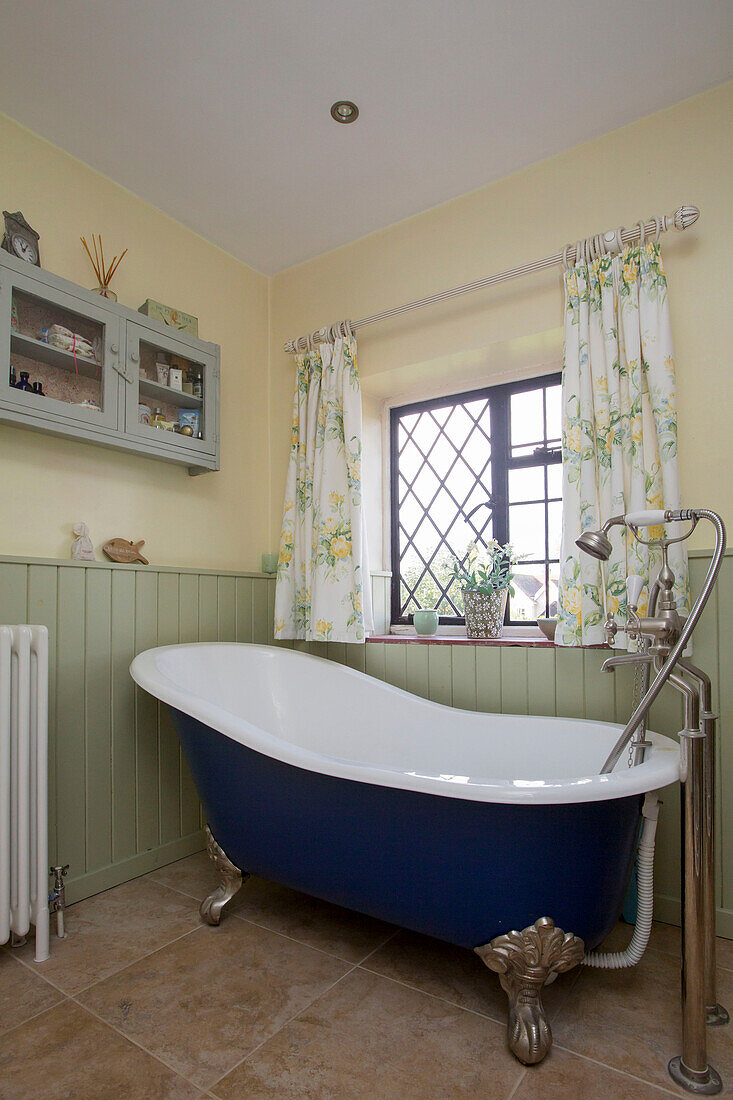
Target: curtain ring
<point>642,233</point>
<point>658,224</point>
<point>349,329</point>
<point>601,246</point>
<point>618,242</point>
<point>565,256</point>
<point>579,252</point>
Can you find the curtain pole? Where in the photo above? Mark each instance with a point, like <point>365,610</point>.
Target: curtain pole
<point>613,240</point>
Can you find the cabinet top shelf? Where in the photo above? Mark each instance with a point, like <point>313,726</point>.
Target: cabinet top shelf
<point>53,356</point>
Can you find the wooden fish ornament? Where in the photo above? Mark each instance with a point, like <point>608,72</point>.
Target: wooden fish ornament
<point>123,551</point>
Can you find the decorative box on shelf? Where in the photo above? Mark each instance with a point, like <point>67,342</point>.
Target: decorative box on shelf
<point>102,371</point>
<point>173,318</point>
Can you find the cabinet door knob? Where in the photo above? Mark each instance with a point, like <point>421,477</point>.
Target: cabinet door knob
<point>134,356</point>
<point>114,348</point>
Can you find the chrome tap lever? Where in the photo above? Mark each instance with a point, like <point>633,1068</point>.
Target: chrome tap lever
<point>610,630</point>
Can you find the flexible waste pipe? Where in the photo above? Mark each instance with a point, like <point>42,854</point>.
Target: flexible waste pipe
<point>617,960</point>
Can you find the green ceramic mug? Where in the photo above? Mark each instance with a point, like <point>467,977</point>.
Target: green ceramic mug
<point>425,621</point>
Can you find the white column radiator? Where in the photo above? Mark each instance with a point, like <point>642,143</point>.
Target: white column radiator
<point>24,784</point>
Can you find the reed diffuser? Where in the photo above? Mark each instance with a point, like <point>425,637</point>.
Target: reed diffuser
<point>104,274</point>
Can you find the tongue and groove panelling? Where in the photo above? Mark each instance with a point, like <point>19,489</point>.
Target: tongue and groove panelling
<point>121,797</point>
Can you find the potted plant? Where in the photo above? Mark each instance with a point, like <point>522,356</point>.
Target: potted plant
<point>485,577</point>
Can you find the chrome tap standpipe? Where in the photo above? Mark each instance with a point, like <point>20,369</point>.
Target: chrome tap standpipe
<point>716,1014</point>
<point>691,1070</point>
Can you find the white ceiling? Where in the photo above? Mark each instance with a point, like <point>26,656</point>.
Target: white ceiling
<point>217,111</point>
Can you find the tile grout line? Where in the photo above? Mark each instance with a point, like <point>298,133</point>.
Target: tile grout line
<point>433,996</point>
<point>286,1023</point>
<point>35,1016</point>
<point>114,973</point>
<point>615,1069</point>
<point>517,1084</point>
<point>135,1043</point>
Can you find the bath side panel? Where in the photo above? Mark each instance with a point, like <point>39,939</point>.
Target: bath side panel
<point>460,870</point>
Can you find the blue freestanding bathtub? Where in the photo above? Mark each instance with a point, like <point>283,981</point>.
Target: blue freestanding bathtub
<point>461,825</point>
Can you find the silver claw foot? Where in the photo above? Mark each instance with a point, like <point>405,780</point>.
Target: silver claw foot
<point>524,962</point>
<point>231,878</point>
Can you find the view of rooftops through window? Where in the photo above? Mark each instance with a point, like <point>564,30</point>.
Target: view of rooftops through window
<point>470,468</point>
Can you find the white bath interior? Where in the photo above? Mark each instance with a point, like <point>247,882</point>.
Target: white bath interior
<point>314,714</point>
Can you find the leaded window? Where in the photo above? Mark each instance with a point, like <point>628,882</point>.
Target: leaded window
<point>471,467</point>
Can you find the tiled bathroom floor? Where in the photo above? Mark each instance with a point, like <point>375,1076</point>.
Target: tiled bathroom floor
<point>293,999</point>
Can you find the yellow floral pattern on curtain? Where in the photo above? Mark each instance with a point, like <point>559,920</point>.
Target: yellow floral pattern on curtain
<point>619,433</point>
<point>320,594</point>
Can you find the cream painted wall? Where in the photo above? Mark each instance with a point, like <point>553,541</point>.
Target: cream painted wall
<point>684,154</point>
<point>218,520</point>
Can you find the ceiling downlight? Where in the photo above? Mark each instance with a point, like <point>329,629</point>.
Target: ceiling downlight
<point>343,110</point>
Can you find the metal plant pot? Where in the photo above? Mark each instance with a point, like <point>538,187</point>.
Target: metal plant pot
<point>484,613</point>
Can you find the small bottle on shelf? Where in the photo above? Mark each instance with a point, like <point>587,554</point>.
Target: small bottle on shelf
<point>38,389</point>
<point>157,418</point>
<point>198,385</point>
<point>13,379</point>
<point>24,384</point>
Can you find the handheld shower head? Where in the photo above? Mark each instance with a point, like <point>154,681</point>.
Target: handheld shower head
<point>595,543</point>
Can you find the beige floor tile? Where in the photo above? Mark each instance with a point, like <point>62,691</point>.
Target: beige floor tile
<point>631,1020</point>
<point>65,1054</point>
<point>194,875</point>
<point>370,1037</point>
<point>564,1076</point>
<point>342,932</point>
<point>112,930</point>
<point>454,973</point>
<point>204,1002</point>
<point>22,993</point>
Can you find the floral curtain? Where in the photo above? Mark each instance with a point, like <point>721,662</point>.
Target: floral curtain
<point>619,433</point>
<point>322,591</point>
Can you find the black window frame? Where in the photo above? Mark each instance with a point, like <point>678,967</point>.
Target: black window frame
<point>501,462</point>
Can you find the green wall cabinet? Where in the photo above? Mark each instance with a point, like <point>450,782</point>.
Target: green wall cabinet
<point>105,371</point>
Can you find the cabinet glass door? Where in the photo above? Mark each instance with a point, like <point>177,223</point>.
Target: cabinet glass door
<point>171,392</point>
<point>62,361</point>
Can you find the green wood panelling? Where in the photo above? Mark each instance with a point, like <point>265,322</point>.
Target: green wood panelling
<point>260,626</point>
<point>123,716</point>
<point>440,687</point>
<point>514,689</point>
<point>146,716</point>
<point>121,796</point>
<point>70,761</point>
<point>13,593</point>
<point>243,609</point>
<point>98,697</point>
<point>541,681</point>
<point>488,680</point>
<point>395,668</point>
<point>169,753</point>
<point>463,685</point>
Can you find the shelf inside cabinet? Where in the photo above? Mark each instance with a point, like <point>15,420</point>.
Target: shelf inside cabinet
<point>53,356</point>
<point>169,396</point>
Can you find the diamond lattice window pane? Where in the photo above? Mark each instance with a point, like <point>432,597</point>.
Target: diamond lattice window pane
<point>426,432</point>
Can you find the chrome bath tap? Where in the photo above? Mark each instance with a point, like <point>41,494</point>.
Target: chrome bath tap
<point>663,635</point>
